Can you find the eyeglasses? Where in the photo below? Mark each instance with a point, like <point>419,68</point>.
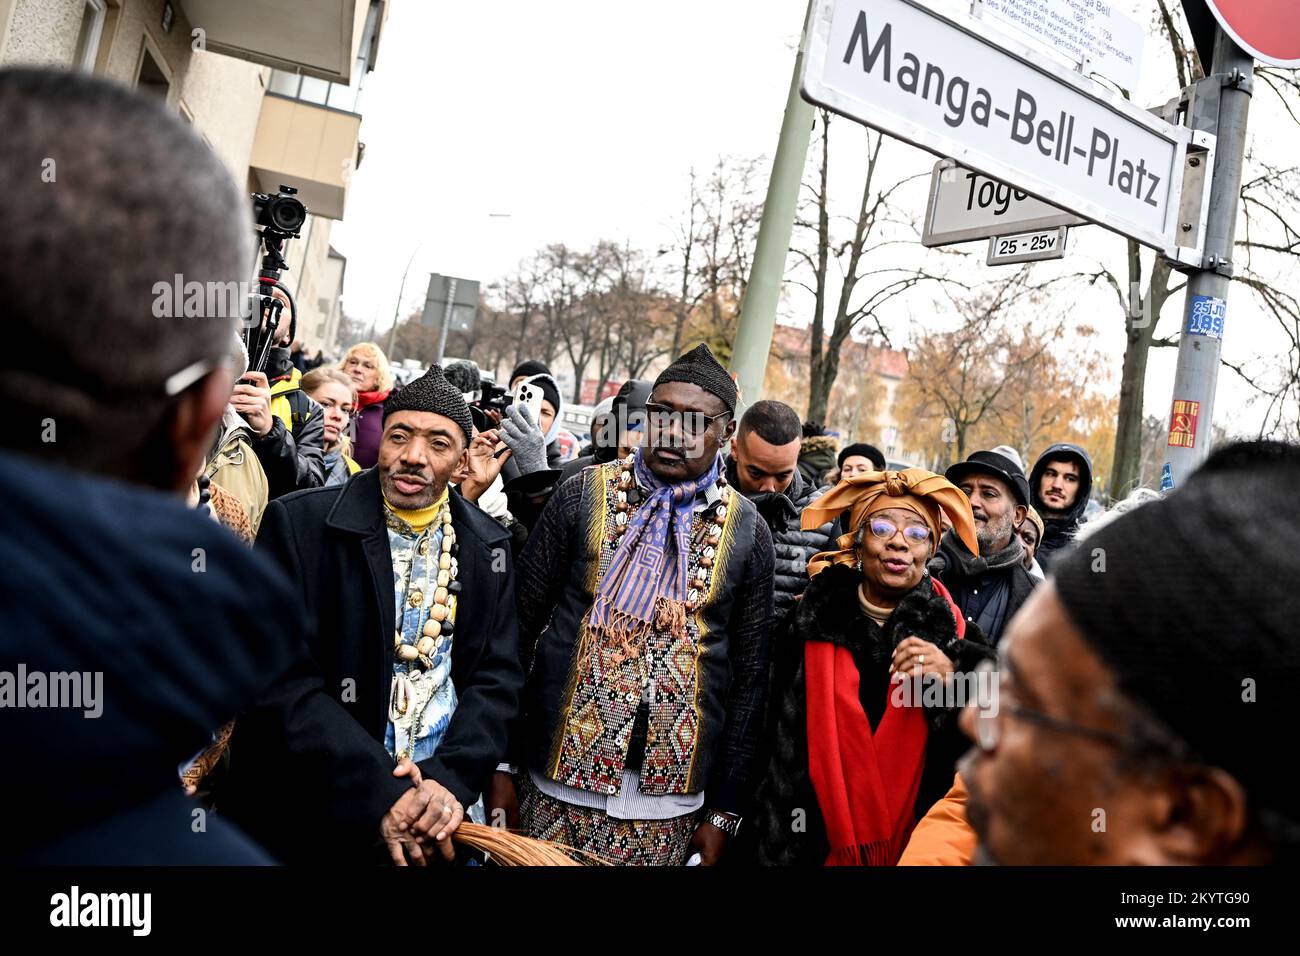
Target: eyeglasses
<point>988,729</point>
<point>886,529</point>
<point>693,424</point>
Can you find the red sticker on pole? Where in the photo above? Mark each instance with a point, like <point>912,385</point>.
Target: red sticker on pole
<point>1269,30</point>
<point>1182,423</point>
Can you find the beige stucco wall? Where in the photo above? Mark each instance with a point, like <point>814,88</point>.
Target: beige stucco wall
<point>311,278</point>
<point>42,32</point>
<point>222,95</point>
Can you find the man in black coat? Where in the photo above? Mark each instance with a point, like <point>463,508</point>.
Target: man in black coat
<point>430,689</point>
<point>988,587</point>
<point>131,626</point>
<point>764,465</point>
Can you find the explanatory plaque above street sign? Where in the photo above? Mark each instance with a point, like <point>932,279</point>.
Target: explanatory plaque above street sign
<point>955,87</point>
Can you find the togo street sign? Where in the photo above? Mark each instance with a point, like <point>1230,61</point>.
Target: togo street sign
<point>952,86</point>
<point>965,205</point>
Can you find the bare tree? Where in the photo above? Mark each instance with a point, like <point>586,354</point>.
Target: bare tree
<point>862,291</point>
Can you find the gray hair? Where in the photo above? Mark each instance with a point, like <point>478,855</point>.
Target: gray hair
<point>109,197</point>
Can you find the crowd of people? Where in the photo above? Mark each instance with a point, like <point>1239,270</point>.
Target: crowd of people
<point>348,616</point>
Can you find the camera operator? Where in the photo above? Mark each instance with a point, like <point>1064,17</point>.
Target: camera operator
<point>288,427</point>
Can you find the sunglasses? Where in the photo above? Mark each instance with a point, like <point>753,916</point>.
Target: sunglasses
<point>693,424</point>
<point>913,533</point>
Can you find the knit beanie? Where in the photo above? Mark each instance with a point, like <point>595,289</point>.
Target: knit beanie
<point>1192,603</point>
<point>528,368</point>
<point>863,450</point>
<point>431,392</point>
<point>699,367</point>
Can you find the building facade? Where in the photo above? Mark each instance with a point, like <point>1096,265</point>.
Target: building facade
<point>863,404</point>
<point>280,104</point>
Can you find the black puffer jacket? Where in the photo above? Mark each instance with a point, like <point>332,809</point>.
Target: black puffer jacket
<point>830,612</point>
<point>294,460</point>
<point>793,546</point>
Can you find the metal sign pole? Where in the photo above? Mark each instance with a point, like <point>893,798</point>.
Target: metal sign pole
<point>1206,305</point>
<point>763,294</point>
<point>446,320</point>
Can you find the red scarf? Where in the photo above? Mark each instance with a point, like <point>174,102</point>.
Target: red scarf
<point>866,783</point>
<point>365,399</point>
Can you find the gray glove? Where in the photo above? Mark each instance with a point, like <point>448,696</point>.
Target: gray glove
<point>524,439</point>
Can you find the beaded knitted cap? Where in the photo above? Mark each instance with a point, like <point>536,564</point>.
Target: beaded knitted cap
<point>431,392</point>
<point>699,367</point>
<point>1195,612</point>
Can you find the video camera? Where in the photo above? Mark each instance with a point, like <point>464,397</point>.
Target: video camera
<point>276,219</point>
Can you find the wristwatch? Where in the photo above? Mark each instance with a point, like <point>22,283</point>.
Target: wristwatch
<point>728,823</point>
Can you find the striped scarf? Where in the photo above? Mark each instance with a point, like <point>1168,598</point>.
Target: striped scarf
<point>646,583</point>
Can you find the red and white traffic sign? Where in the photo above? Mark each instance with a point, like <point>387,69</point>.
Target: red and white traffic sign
<point>1269,30</point>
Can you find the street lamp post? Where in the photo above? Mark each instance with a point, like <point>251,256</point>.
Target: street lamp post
<point>392,333</point>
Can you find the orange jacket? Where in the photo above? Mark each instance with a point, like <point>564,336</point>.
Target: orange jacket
<point>943,837</point>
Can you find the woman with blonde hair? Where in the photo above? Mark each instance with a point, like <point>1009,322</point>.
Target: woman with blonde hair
<point>335,393</point>
<point>367,366</point>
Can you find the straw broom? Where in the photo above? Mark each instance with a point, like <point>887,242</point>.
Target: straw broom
<point>515,849</point>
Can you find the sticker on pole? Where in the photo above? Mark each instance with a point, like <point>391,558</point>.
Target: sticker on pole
<point>1167,478</point>
<point>1182,423</point>
<point>1206,316</point>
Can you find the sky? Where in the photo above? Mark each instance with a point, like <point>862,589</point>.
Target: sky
<point>495,127</point>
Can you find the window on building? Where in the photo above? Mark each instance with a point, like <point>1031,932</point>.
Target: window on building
<point>92,29</point>
<point>152,81</point>
<point>339,96</point>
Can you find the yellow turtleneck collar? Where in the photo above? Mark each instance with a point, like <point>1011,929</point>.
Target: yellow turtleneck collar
<point>419,518</point>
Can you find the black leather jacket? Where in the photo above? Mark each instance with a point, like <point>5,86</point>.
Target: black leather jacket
<point>293,460</point>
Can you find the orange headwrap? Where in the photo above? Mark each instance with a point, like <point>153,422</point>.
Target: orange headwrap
<point>915,489</point>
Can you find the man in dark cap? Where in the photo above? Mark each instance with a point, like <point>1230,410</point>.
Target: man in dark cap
<point>858,459</point>
<point>412,593</point>
<point>617,434</point>
<point>1144,689</point>
<point>989,587</point>
<point>526,370</point>
<point>652,580</point>
<point>1061,482</point>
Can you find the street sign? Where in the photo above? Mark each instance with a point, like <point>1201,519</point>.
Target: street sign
<point>1027,246</point>
<point>464,302</point>
<point>952,86</point>
<point>965,205</point>
<point>1093,34</point>
<point>1269,30</point>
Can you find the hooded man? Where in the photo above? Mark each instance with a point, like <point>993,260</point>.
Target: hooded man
<point>764,465</point>
<point>1060,486</point>
<point>413,595</point>
<point>1134,695</point>
<point>988,587</point>
<point>645,605</point>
